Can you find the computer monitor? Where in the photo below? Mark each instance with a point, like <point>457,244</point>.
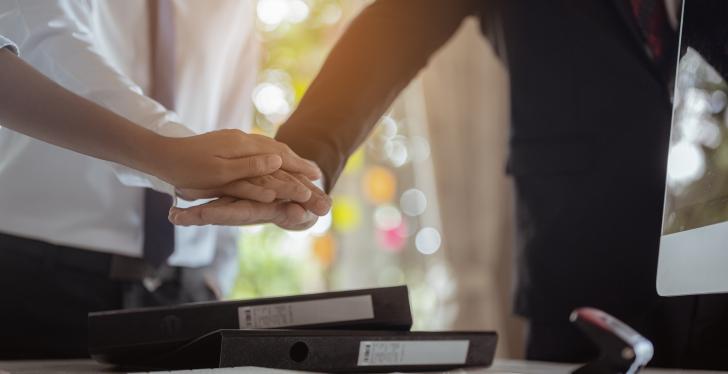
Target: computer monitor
<point>693,256</point>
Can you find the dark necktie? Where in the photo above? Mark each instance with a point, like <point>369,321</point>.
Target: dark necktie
<point>659,37</point>
<point>158,231</point>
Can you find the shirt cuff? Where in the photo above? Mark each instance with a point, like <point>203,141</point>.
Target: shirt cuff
<point>5,43</point>
<point>134,178</point>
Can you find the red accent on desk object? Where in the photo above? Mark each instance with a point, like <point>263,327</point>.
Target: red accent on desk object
<point>622,350</point>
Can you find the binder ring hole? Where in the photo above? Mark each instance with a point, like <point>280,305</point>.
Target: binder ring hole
<point>299,352</point>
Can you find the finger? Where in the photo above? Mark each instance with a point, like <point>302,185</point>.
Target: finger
<point>191,194</point>
<point>260,144</point>
<point>285,186</point>
<point>192,216</point>
<point>243,189</point>
<point>295,164</point>
<point>248,167</point>
<point>295,217</point>
<point>320,202</point>
<point>299,191</point>
<point>235,213</point>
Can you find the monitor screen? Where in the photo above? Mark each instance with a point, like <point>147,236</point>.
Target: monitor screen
<point>694,241</point>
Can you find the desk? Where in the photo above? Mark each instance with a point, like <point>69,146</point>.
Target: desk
<point>88,366</point>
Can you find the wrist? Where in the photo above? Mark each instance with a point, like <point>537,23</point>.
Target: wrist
<point>150,154</point>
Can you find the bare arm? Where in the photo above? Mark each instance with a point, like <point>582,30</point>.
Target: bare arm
<point>38,107</point>
<point>379,54</point>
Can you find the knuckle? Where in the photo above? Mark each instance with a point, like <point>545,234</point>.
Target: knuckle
<point>256,164</point>
<point>285,148</point>
<point>233,134</point>
<point>219,173</point>
<point>267,180</point>
<point>207,216</point>
<point>302,190</point>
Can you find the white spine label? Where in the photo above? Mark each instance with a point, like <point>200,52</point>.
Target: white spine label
<point>310,312</point>
<point>405,352</point>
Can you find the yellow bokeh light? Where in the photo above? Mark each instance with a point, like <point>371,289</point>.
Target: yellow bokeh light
<point>355,162</point>
<point>379,185</point>
<point>346,213</point>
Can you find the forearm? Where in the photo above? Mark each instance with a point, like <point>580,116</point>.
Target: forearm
<point>38,107</point>
<point>379,54</point>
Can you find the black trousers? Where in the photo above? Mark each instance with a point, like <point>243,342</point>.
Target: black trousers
<point>688,332</point>
<point>47,291</point>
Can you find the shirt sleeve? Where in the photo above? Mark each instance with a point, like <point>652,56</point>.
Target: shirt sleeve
<point>7,43</point>
<point>56,38</point>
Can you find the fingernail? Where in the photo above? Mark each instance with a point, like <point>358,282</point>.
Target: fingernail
<point>322,206</point>
<point>273,161</point>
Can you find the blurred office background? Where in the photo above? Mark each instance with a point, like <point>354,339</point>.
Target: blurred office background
<point>424,202</point>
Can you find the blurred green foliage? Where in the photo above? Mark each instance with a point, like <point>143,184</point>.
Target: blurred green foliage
<point>264,270</point>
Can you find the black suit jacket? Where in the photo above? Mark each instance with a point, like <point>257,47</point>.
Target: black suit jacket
<point>588,144</point>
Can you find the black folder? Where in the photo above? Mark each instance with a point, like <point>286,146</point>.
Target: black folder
<point>137,334</point>
<point>334,351</point>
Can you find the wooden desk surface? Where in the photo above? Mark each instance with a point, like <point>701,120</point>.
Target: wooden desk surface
<point>88,366</point>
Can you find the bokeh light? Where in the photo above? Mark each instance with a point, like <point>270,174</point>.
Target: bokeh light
<point>272,13</point>
<point>413,202</point>
<point>419,149</point>
<point>270,99</point>
<point>387,128</point>
<point>685,163</point>
<point>331,14</point>
<point>393,239</point>
<point>387,217</point>
<point>355,162</point>
<point>718,100</point>
<point>379,185</point>
<point>428,240</point>
<point>346,213</point>
<point>396,151</point>
<point>324,249</point>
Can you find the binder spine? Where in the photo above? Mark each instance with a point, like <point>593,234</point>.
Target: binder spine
<point>351,352</point>
<point>370,309</point>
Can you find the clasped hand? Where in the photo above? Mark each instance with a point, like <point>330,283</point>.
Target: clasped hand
<point>253,179</point>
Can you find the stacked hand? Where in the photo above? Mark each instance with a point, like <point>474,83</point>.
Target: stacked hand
<point>254,179</point>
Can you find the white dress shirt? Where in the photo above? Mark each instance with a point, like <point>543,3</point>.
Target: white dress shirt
<point>6,43</point>
<point>99,49</point>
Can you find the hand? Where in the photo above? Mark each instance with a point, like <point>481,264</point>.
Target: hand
<point>217,158</point>
<point>290,214</point>
<point>279,185</point>
<point>229,211</point>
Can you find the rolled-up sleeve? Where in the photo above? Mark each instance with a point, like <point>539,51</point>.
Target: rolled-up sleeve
<point>56,38</point>
<point>7,43</point>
